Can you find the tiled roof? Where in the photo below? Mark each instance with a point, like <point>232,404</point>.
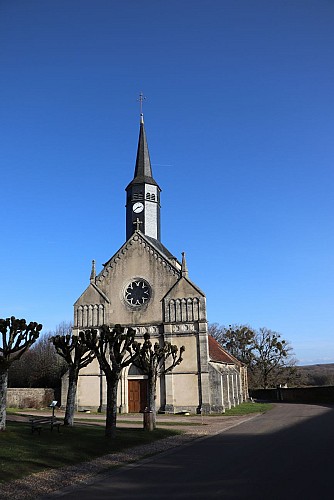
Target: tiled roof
<point>218,354</point>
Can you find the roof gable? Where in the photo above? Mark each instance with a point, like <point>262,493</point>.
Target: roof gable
<point>183,288</point>
<point>92,294</point>
<point>163,256</point>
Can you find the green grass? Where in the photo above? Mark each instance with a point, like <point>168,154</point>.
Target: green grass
<point>246,408</point>
<point>23,453</point>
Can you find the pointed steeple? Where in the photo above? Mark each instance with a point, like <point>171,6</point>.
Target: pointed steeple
<point>184,268</point>
<point>143,169</point>
<point>93,272</point>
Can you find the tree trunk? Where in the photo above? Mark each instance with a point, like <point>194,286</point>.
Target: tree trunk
<point>152,386</point>
<point>71,394</point>
<point>3,397</point>
<point>112,384</point>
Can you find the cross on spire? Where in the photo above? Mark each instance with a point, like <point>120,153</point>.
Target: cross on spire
<point>141,99</point>
<point>137,222</point>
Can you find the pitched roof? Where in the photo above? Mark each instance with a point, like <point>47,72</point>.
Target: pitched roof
<point>218,354</point>
<point>158,245</point>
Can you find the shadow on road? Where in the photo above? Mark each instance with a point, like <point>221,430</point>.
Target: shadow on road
<point>284,454</point>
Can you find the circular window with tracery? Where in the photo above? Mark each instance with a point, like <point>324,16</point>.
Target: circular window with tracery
<point>137,293</point>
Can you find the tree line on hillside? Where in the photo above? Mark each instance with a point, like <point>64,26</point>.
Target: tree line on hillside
<point>317,375</point>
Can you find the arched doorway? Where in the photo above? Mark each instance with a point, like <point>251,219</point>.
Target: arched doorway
<point>137,390</point>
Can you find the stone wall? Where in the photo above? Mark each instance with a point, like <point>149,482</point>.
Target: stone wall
<point>29,398</point>
<point>311,395</point>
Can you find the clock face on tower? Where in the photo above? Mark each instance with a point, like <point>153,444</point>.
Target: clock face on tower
<point>137,293</point>
<point>138,207</point>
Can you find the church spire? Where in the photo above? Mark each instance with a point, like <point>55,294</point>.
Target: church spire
<point>143,193</point>
<point>143,169</point>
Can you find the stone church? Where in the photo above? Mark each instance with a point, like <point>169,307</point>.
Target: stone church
<point>144,286</point>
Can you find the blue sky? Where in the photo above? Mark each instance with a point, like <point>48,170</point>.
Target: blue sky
<point>239,117</point>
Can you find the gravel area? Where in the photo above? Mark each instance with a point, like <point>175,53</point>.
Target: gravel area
<point>44,484</point>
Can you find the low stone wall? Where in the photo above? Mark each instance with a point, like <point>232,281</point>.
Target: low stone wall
<point>29,398</point>
<point>311,395</point>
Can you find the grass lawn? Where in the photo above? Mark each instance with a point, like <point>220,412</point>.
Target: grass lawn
<point>23,453</point>
<point>246,408</point>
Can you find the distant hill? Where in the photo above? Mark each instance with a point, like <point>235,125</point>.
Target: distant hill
<point>316,374</point>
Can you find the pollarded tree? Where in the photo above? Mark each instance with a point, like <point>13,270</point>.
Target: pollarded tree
<point>77,355</point>
<point>17,337</point>
<point>154,361</point>
<point>113,348</point>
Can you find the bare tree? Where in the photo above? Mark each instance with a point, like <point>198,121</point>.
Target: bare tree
<point>153,361</point>
<point>17,337</point>
<point>217,332</point>
<point>48,366</point>
<point>238,340</point>
<point>113,349</point>
<point>40,366</point>
<point>268,357</point>
<point>77,355</point>
<point>273,362</point>
<point>21,373</point>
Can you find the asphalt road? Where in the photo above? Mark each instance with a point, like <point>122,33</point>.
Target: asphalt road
<point>287,453</point>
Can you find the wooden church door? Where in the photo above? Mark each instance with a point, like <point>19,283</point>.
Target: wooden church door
<point>137,390</point>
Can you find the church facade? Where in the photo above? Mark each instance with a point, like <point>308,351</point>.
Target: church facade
<point>144,286</point>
